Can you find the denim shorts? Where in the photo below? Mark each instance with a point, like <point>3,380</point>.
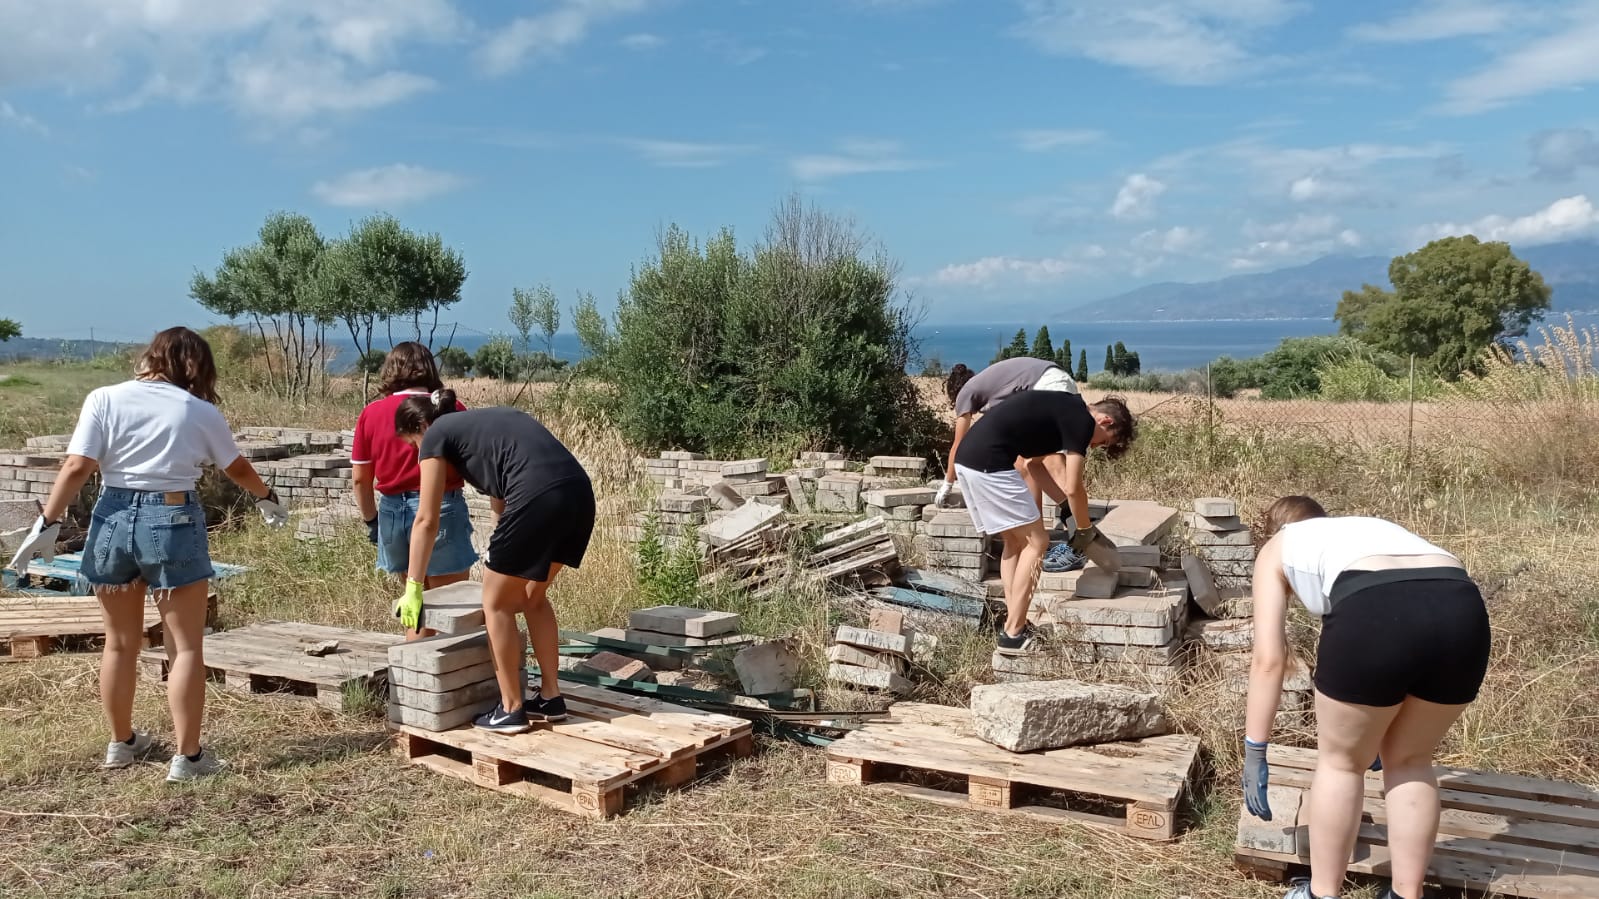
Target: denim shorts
<point>452,548</point>
<point>135,534</point>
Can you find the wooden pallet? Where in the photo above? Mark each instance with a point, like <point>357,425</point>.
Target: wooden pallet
<point>611,744</point>
<point>1133,787</point>
<point>268,658</point>
<point>39,623</point>
<point>1508,835</point>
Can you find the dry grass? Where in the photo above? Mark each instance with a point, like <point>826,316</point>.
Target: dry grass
<point>318,805</point>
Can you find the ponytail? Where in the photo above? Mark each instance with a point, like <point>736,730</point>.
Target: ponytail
<point>417,412</point>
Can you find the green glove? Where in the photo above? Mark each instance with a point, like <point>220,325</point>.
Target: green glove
<point>1081,540</point>
<point>408,608</point>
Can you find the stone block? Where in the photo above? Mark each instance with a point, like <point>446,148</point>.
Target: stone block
<point>652,638</point>
<point>1125,611</point>
<point>1141,556</point>
<point>1138,523</point>
<point>683,503</point>
<point>681,456</point>
<point>684,621</point>
<point>442,654</point>
<point>1222,635</point>
<point>469,696</point>
<point>1242,537</point>
<point>955,523</point>
<point>738,524</point>
<point>766,668</point>
<point>453,609</point>
<point>1236,602</point>
<point>743,468</point>
<point>442,683</point>
<point>1232,569</point>
<point>1215,507</point>
<point>863,638</point>
<point>816,457</point>
<point>1202,584</point>
<point>956,545</point>
<point>1226,553</point>
<point>889,621</point>
<point>868,678</point>
<point>1281,833</point>
<point>438,721</point>
<point>866,658</point>
<point>902,514</point>
<point>847,502</point>
<point>900,496</point>
<point>1119,635</point>
<point>883,464</point>
<point>1094,582</point>
<point>1051,714</point>
<point>610,664</point>
<point>1136,577</point>
<point>797,495</point>
<point>1217,525</point>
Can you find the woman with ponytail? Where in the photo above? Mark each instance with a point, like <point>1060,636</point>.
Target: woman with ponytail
<point>545,507</point>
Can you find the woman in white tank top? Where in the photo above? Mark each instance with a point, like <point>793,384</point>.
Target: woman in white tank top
<point>1403,649</point>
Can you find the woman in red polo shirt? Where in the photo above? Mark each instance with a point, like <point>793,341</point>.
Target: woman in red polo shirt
<point>383,461</point>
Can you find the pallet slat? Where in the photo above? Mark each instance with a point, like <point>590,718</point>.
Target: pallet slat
<point>266,658</point>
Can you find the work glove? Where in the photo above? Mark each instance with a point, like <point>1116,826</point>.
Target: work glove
<point>408,608</point>
<point>372,530</point>
<point>1082,539</point>
<point>1256,776</point>
<point>942,496</point>
<point>41,540</point>
<point>272,510</point>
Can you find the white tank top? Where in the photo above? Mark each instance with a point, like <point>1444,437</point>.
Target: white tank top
<point>1317,550</point>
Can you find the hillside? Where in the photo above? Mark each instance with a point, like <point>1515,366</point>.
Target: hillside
<point>1313,290</point>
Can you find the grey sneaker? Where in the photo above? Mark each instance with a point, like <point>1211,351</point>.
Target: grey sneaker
<point>183,769</point>
<point>120,755</point>
<point>1301,890</point>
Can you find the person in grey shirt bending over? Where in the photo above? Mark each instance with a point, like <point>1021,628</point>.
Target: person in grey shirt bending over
<point>971,394</point>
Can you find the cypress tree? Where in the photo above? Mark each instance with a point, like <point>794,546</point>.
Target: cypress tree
<point>1110,360</point>
<point>1043,347</point>
<point>1082,366</point>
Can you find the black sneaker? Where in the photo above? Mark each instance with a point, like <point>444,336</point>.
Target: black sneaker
<point>1021,644</point>
<point>540,709</point>
<point>502,722</point>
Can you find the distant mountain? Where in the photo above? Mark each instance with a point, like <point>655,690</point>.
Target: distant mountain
<point>1313,290</point>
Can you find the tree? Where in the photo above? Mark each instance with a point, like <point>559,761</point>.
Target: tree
<point>1110,360</point>
<point>1130,363</point>
<point>371,362</point>
<point>1016,348</point>
<point>382,271</point>
<point>453,361</point>
<point>1452,299</point>
<point>801,339</point>
<point>1063,356</point>
<point>9,329</point>
<point>1082,366</point>
<point>277,282</point>
<point>1043,347</point>
<point>536,308</point>
<point>1292,369</point>
<point>593,332</point>
<point>496,358</point>
<point>933,367</point>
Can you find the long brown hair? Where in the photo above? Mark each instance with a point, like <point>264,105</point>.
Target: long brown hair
<point>183,359</point>
<point>417,412</point>
<point>1288,510</point>
<point>409,366</point>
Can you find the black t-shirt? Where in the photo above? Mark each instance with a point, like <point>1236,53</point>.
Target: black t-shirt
<point>501,451</point>
<point>1029,424</point>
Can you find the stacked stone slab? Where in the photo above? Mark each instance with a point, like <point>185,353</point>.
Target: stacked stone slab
<point>951,544</point>
<point>1221,541</point>
<point>437,683</point>
<point>1134,636</point>
<point>676,517</point>
<point>308,479</point>
<point>839,493</point>
<point>900,507</point>
<point>683,626</point>
<point>874,658</point>
<point>910,468</point>
<point>28,475</point>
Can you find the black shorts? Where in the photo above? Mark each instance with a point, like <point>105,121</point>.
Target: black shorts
<point>552,526</point>
<point>1393,634</point>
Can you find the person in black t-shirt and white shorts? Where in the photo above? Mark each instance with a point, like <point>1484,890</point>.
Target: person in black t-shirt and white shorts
<point>545,505</point>
<point>1053,431</point>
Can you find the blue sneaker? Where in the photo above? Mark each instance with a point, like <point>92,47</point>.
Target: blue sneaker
<point>1061,557</point>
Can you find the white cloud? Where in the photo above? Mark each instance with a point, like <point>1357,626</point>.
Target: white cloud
<point>1324,187</point>
<point>1564,219</point>
<point>1440,20</point>
<point>856,157</point>
<point>675,154</point>
<point>991,271</point>
<point>1302,236</point>
<point>1180,239</point>
<point>1136,199</point>
<point>386,186</point>
<point>280,60</point>
<point>547,35</point>
<point>1560,59</point>
<point>642,41</point>
<point>1041,140</point>
<point>1558,154</point>
<point>1177,41</point>
<point>20,120</point>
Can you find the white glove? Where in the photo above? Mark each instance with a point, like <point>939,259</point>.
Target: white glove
<point>40,540</point>
<point>272,510</point>
<point>942,496</point>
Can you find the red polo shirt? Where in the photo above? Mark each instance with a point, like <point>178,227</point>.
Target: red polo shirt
<point>393,461</point>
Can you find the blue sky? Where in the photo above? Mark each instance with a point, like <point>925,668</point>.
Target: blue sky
<point>1016,156</point>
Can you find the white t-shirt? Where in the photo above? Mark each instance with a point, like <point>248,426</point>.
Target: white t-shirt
<point>151,435</point>
<point>1315,551</point>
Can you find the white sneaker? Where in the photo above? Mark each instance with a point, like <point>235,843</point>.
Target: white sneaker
<point>1301,890</point>
<point>183,769</point>
<point>120,755</point>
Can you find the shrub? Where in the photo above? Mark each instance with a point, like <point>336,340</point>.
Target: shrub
<point>454,362</point>
<point>802,340</point>
<point>1229,375</point>
<point>496,359</point>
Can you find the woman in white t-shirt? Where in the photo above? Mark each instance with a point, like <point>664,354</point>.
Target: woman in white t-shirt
<point>148,438</point>
<point>1403,650</point>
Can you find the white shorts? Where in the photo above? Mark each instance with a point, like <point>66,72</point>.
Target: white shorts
<point>997,501</point>
<point>1058,380</point>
